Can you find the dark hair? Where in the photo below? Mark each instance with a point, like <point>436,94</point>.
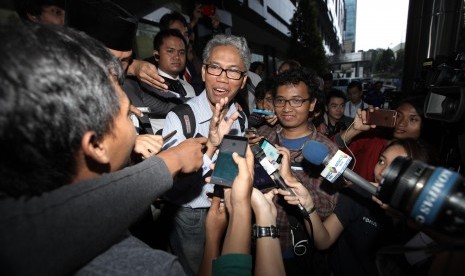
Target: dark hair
<point>417,102</point>
<point>293,64</point>
<point>34,7</point>
<point>416,149</point>
<point>264,86</point>
<point>163,34</point>
<point>294,77</point>
<point>335,93</point>
<point>254,65</point>
<point>168,19</point>
<point>353,84</point>
<point>45,109</point>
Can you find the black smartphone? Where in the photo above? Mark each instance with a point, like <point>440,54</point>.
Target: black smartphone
<point>226,169</point>
<point>382,117</point>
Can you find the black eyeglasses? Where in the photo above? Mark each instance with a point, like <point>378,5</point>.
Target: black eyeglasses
<point>294,102</point>
<point>216,70</point>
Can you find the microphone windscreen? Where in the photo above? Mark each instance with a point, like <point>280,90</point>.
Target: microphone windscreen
<point>315,152</point>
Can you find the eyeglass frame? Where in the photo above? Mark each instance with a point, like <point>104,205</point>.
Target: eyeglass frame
<point>289,101</point>
<point>224,70</point>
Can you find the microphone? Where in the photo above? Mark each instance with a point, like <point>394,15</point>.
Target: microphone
<point>317,154</point>
<point>273,171</point>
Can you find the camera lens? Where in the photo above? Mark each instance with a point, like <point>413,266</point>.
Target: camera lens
<point>433,197</point>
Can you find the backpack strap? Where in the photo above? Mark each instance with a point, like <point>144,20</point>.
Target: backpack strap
<point>187,118</point>
<point>241,120</point>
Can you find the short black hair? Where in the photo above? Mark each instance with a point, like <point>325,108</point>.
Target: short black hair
<point>34,7</point>
<point>294,76</point>
<point>335,93</point>
<point>167,19</point>
<point>46,109</point>
<point>353,84</point>
<point>160,37</point>
<point>293,64</point>
<point>264,86</point>
<point>254,65</point>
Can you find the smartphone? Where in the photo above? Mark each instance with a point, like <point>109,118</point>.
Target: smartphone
<point>272,155</point>
<point>261,111</point>
<point>262,179</point>
<point>226,169</point>
<point>382,117</point>
<point>251,131</point>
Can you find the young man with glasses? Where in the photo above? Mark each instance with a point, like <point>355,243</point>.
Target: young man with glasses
<point>294,98</point>
<point>224,71</point>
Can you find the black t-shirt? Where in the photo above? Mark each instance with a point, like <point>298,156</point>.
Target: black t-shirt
<point>366,229</point>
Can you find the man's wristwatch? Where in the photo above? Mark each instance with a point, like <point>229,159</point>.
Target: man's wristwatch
<point>269,231</point>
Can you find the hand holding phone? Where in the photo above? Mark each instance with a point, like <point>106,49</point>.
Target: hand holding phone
<point>226,169</point>
<point>382,117</point>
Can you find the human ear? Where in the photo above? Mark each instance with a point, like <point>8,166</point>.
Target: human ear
<point>203,72</point>
<point>94,149</point>
<point>156,55</point>
<point>312,105</point>
<point>244,81</point>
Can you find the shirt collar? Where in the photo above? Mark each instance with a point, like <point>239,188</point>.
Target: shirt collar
<point>206,113</point>
<point>165,75</point>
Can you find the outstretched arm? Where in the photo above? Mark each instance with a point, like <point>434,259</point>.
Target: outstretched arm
<point>268,259</point>
<point>147,73</point>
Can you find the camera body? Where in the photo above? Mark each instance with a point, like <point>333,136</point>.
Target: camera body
<point>432,197</point>
<point>445,100</point>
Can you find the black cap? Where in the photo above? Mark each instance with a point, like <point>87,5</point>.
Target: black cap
<point>103,20</point>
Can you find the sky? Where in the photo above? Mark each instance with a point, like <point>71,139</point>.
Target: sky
<point>380,23</point>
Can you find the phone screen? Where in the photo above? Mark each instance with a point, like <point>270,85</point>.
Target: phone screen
<point>272,155</point>
<point>226,169</point>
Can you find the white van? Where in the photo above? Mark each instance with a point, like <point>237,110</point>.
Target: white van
<point>342,83</point>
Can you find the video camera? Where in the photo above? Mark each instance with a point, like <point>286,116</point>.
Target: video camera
<point>445,100</point>
<point>432,197</point>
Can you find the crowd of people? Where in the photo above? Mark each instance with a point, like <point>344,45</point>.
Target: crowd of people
<point>91,137</point>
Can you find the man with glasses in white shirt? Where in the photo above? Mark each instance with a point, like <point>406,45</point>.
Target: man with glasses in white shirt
<point>224,71</point>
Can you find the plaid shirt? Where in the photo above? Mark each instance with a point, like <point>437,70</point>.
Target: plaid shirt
<point>323,192</point>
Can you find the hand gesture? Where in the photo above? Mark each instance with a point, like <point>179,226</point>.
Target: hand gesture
<point>218,125</point>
